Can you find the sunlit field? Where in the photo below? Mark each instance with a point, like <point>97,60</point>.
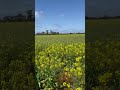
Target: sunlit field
<point>60,61</point>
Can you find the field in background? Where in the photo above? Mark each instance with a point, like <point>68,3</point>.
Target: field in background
<point>60,61</point>
<point>102,29</point>
<point>102,54</point>
<point>45,40</point>
<point>17,56</point>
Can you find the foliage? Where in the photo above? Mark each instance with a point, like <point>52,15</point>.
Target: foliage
<point>17,57</point>
<point>60,63</point>
<point>102,65</point>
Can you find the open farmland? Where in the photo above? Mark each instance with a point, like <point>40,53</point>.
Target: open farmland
<point>60,61</point>
<point>17,56</point>
<point>45,40</point>
<point>102,54</point>
<point>103,29</point>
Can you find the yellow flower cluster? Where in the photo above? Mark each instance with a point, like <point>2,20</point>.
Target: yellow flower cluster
<point>57,59</point>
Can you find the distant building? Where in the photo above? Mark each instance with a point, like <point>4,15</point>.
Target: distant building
<point>47,32</point>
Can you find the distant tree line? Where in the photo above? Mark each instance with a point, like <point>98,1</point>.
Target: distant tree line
<point>54,33</point>
<point>19,17</point>
<point>104,17</point>
<point>48,33</point>
<point>76,33</point>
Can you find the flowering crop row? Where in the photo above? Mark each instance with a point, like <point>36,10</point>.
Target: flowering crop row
<point>61,66</point>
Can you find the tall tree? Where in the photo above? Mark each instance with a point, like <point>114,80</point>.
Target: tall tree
<point>29,14</point>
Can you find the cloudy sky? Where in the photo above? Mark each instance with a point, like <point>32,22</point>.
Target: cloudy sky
<point>60,15</point>
<point>102,7</point>
<point>13,7</point>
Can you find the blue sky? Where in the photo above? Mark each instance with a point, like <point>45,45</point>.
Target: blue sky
<point>60,15</point>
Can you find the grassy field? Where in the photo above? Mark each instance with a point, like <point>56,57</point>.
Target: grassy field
<point>102,59</point>
<point>45,40</point>
<point>103,29</point>
<point>17,56</point>
<point>18,36</point>
<point>60,61</point>
<point>18,30</point>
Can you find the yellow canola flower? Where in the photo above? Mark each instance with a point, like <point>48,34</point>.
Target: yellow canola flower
<point>72,70</point>
<point>78,59</point>
<point>79,69</point>
<point>69,75</point>
<point>76,64</point>
<point>42,65</point>
<point>49,89</point>
<point>62,63</point>
<point>66,69</point>
<point>64,83</point>
<point>79,73</point>
<point>79,88</point>
<point>68,85</point>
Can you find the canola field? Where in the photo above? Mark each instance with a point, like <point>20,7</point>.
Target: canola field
<point>60,61</point>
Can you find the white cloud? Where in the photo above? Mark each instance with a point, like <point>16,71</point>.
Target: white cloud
<point>39,14</point>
